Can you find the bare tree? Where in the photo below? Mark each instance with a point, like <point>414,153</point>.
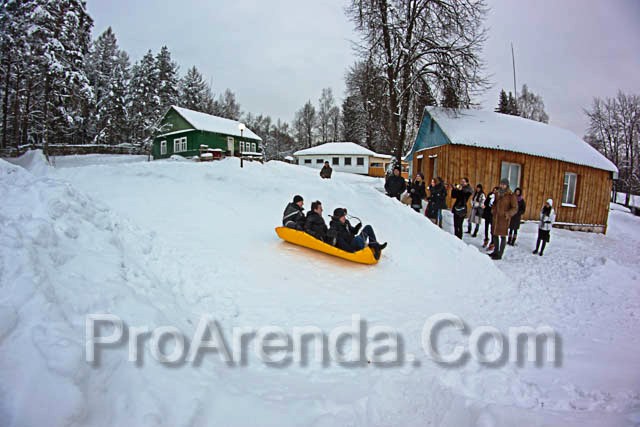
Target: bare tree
<point>531,106</point>
<point>304,124</point>
<point>438,41</point>
<point>326,103</point>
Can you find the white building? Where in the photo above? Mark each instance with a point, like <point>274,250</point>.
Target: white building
<point>342,156</point>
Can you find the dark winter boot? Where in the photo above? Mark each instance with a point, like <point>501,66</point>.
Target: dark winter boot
<point>513,240</point>
<point>485,243</point>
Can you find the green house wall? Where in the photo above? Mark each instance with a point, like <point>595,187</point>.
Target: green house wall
<point>175,124</point>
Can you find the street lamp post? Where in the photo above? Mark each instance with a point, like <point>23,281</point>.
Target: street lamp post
<point>242,127</point>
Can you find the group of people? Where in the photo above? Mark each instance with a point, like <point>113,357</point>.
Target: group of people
<point>340,232</point>
<point>501,209</point>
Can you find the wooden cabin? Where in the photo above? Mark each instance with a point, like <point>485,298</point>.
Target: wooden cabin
<point>544,161</point>
<point>379,163</point>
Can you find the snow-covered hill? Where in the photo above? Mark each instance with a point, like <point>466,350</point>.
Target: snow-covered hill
<point>162,243</point>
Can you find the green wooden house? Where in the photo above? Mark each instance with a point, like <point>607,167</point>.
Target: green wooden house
<point>184,131</point>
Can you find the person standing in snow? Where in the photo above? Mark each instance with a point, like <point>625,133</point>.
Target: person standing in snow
<point>488,219</point>
<point>340,236</point>
<point>395,184</point>
<point>477,203</point>
<point>514,225</point>
<point>417,191</point>
<point>436,201</point>
<point>293,216</point>
<point>314,224</point>
<point>547,218</point>
<point>461,192</point>
<point>326,171</point>
<point>504,207</point>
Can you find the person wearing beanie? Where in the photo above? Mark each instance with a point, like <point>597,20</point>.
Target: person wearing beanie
<point>340,236</point>
<point>514,225</point>
<point>293,216</point>
<point>547,218</point>
<point>395,184</point>
<point>504,207</point>
<point>326,171</point>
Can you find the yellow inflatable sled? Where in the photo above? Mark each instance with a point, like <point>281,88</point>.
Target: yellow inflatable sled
<point>365,256</point>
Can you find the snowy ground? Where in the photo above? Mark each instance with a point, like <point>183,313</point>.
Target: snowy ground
<point>162,243</point>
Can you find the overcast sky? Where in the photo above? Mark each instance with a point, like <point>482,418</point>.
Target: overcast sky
<point>277,54</point>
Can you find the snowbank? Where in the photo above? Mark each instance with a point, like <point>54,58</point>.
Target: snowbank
<point>162,243</point>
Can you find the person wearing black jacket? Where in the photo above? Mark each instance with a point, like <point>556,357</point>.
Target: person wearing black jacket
<point>326,171</point>
<point>315,225</point>
<point>487,215</point>
<point>395,184</point>
<point>514,225</point>
<point>436,201</point>
<point>293,216</point>
<point>461,193</point>
<point>417,191</point>
<point>340,236</point>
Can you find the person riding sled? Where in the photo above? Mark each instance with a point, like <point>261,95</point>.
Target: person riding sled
<point>341,237</point>
<point>315,225</point>
<point>293,216</point>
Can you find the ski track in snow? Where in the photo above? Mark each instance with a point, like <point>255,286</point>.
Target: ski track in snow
<point>162,243</point>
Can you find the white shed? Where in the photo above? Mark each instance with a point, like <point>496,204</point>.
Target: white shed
<point>342,156</point>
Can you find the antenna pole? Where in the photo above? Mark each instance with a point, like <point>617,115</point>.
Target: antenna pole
<point>513,61</point>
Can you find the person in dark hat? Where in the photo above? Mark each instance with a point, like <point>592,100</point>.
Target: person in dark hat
<point>293,216</point>
<point>326,171</point>
<point>547,218</point>
<point>340,236</point>
<point>395,184</point>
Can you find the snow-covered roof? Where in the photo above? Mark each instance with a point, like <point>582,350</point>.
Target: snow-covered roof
<point>511,133</point>
<point>209,123</point>
<point>336,148</point>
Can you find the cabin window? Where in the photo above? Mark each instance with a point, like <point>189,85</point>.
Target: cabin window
<point>347,161</point>
<point>569,189</point>
<point>335,161</point>
<point>360,161</point>
<point>242,146</point>
<point>511,171</point>
<point>180,145</point>
<point>319,161</point>
<point>163,148</point>
<point>253,147</point>
<point>307,161</point>
<point>376,165</point>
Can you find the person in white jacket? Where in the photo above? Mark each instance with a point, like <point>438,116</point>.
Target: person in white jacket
<point>547,218</point>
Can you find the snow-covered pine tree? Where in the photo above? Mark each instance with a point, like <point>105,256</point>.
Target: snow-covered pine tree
<point>503,103</point>
<point>144,107</point>
<point>167,79</point>
<point>194,91</point>
<point>512,105</point>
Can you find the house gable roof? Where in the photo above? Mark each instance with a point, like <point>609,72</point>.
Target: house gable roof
<point>208,123</point>
<point>492,130</point>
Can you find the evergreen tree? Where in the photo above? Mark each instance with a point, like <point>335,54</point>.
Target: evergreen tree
<point>226,106</point>
<point>503,103</point>
<point>194,91</point>
<point>167,79</point>
<point>512,105</point>
<point>145,108</point>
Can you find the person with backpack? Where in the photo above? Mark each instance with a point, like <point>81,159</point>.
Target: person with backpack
<point>477,202</point>
<point>395,184</point>
<point>293,216</point>
<point>514,225</point>
<point>547,218</point>
<point>314,224</point>
<point>461,192</point>
<point>417,192</point>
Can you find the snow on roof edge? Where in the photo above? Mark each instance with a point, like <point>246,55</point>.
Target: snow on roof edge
<point>210,123</point>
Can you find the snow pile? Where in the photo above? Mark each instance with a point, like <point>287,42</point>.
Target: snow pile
<point>162,243</point>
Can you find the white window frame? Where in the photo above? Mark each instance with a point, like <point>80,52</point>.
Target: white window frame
<point>163,147</point>
<point>349,163</point>
<point>180,145</point>
<point>568,193</point>
<point>335,161</point>
<point>358,159</point>
<point>253,147</point>
<point>319,161</point>
<point>308,161</point>
<point>510,166</point>
<point>241,146</point>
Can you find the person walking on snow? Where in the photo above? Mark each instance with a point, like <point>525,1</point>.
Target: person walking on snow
<point>326,171</point>
<point>514,225</point>
<point>461,193</point>
<point>547,218</point>
<point>477,203</point>
<point>340,236</point>
<point>504,207</point>
<point>395,184</point>
<point>293,216</point>
<point>315,225</point>
<point>417,191</point>
<point>488,219</point>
